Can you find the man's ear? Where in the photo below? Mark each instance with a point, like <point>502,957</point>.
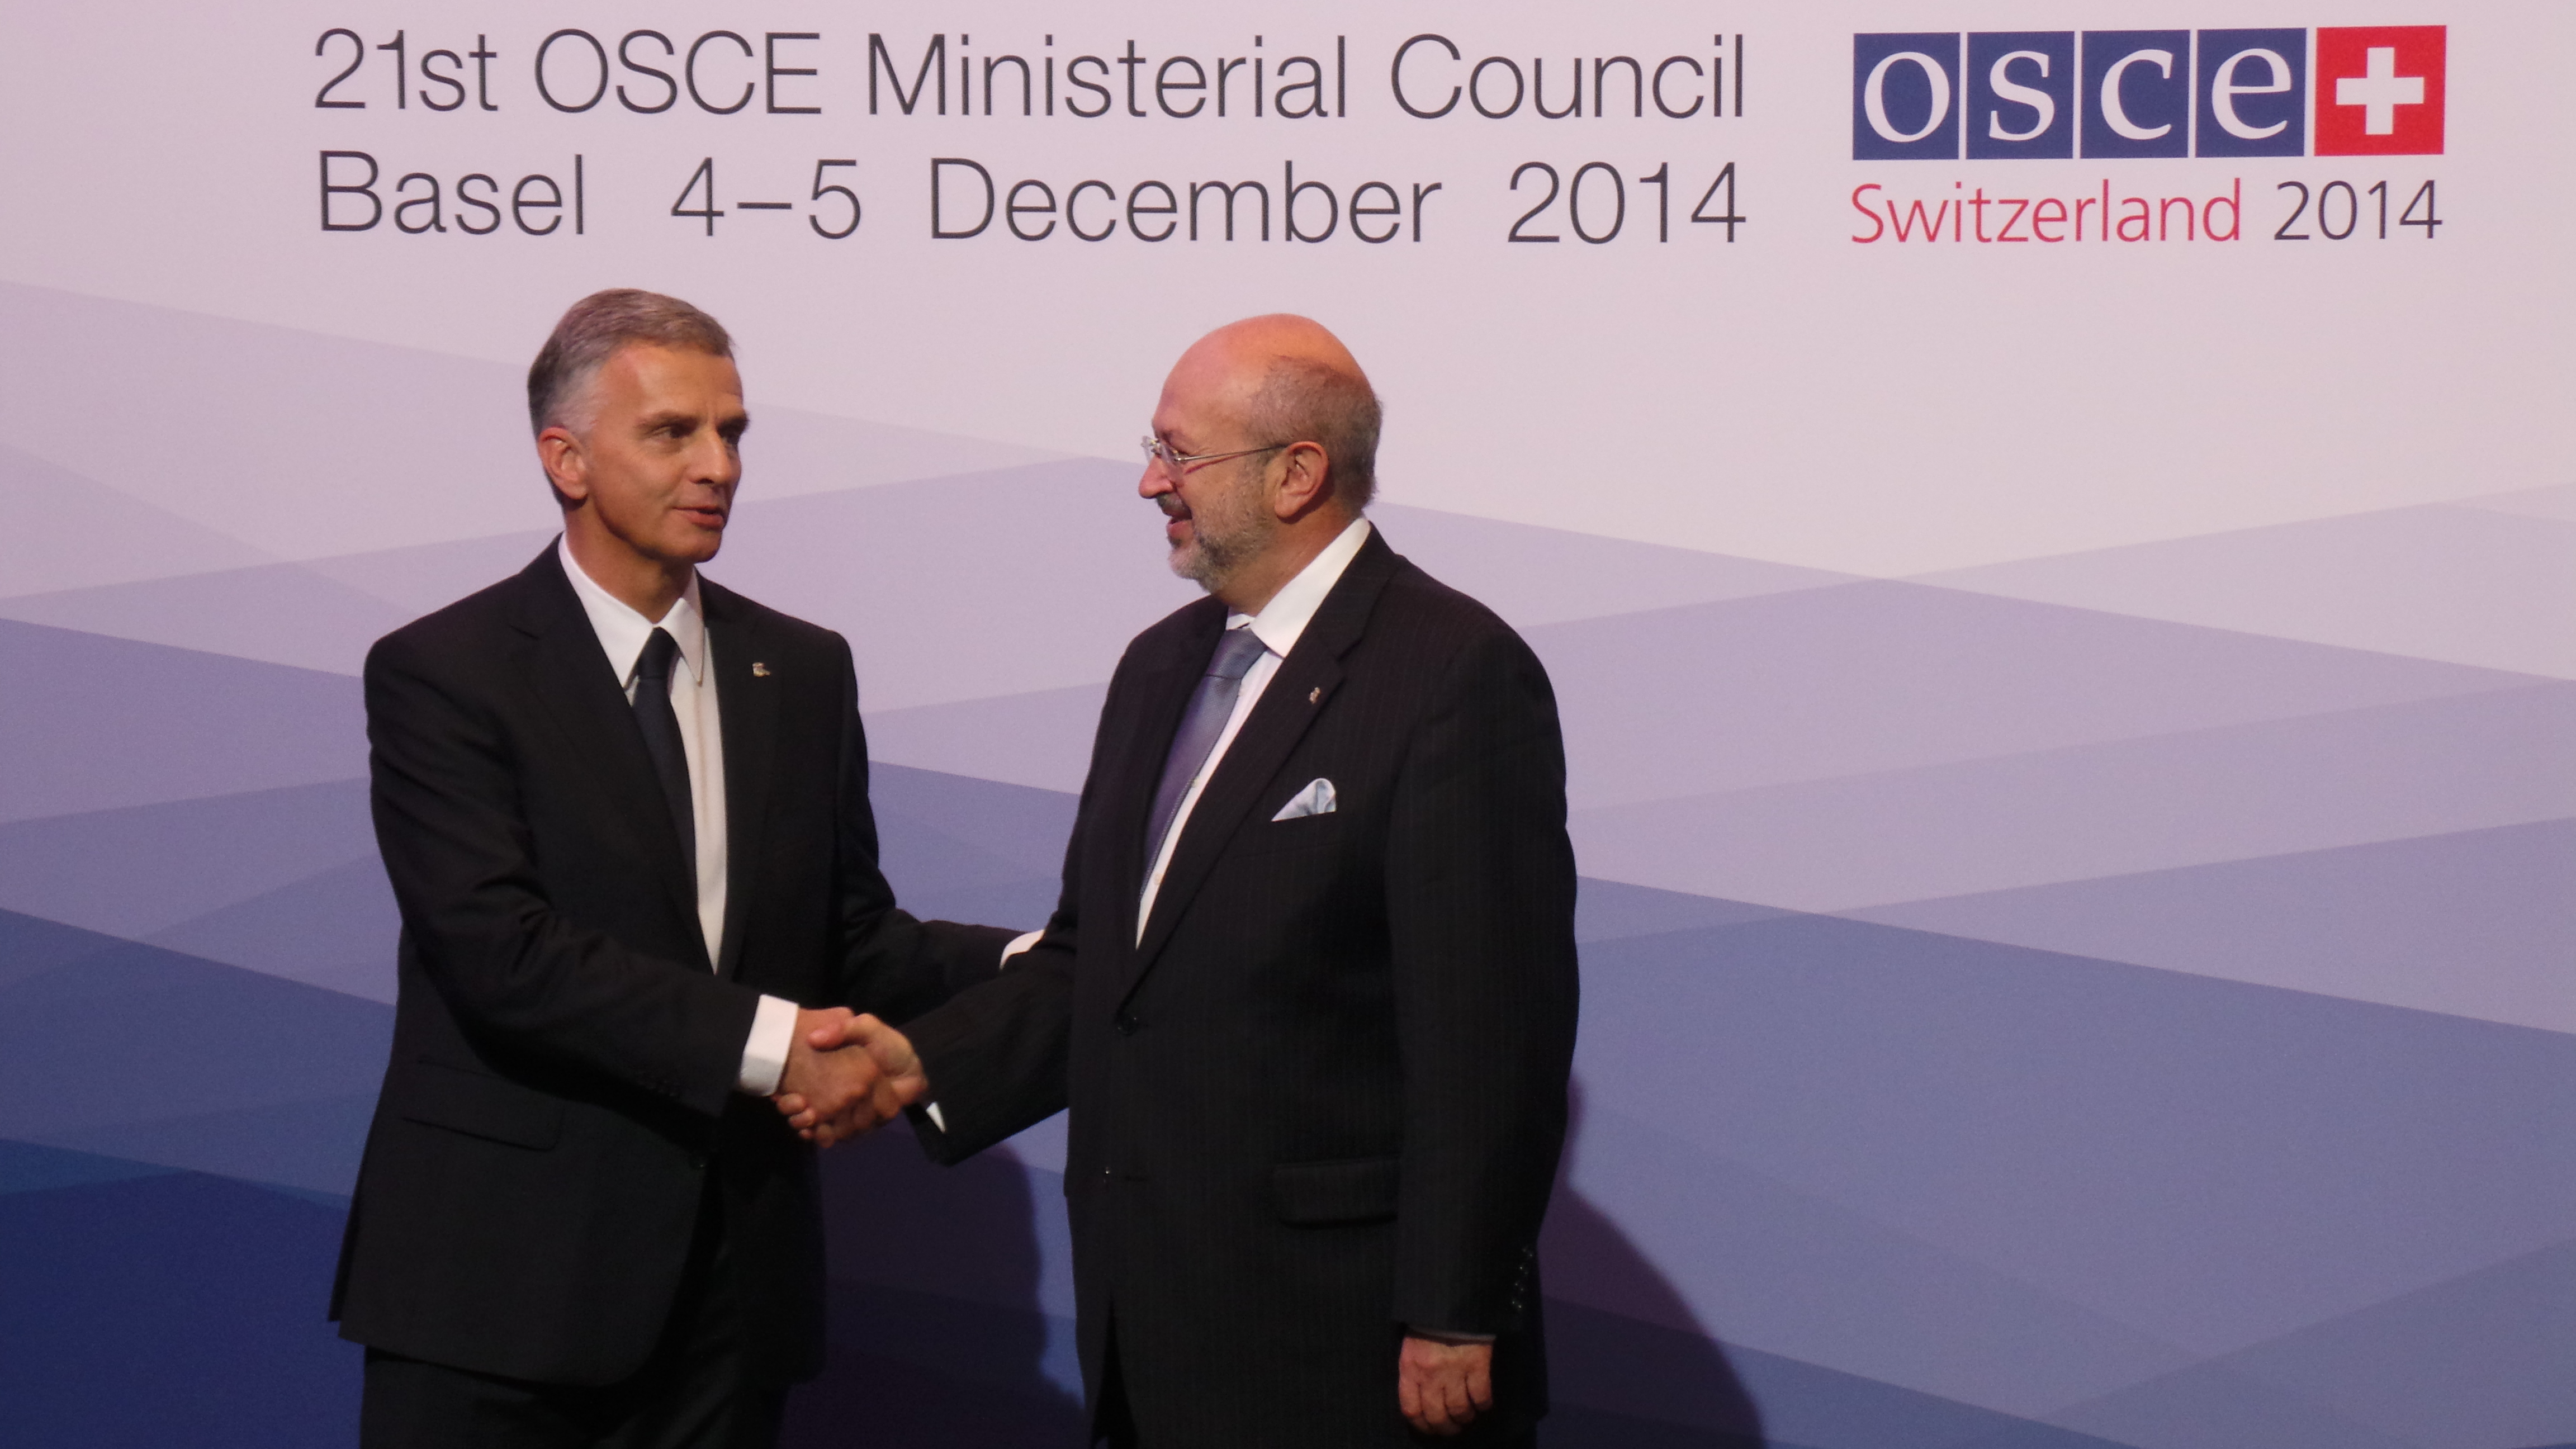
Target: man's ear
<point>567,465</point>
<point>1306,479</point>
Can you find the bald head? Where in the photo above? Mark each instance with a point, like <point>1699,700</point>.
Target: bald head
<point>1255,341</point>
<point>1288,379</point>
<point>1280,430</point>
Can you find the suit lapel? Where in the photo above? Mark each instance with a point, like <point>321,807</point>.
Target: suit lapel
<point>747,709</point>
<point>568,673</point>
<point>1289,705</point>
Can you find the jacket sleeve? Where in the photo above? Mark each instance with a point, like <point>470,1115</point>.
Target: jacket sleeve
<point>891,963</point>
<point>1480,906</point>
<point>998,1056</point>
<point>444,792</point>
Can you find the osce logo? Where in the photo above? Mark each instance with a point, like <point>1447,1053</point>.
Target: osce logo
<point>2134,93</point>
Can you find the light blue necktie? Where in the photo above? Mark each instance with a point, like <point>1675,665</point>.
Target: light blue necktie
<point>1210,706</point>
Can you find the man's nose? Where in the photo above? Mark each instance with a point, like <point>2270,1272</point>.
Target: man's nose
<point>716,464</point>
<point>1155,483</point>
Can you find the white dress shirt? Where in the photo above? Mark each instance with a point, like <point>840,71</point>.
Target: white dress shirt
<point>1278,626</point>
<point>622,635</point>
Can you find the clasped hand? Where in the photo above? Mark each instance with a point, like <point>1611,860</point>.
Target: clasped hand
<point>846,1074</point>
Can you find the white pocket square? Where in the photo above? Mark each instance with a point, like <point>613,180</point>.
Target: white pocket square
<point>1315,799</point>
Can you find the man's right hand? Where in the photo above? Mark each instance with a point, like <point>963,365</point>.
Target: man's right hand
<point>858,1072</point>
<point>828,1092</point>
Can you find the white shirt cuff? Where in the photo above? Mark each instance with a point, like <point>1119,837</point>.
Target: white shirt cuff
<point>764,1052</point>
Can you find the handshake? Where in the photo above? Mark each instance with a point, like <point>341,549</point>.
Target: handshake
<point>845,1075</point>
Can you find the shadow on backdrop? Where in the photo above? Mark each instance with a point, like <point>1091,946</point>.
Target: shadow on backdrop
<point>938,1333</point>
<point>1630,1366</point>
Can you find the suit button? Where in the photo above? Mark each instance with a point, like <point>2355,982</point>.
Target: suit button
<point>1127,1023</point>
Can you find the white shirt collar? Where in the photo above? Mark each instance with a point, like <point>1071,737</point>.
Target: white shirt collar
<point>1292,608</point>
<point>623,632</point>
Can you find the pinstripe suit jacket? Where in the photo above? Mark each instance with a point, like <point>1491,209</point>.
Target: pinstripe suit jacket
<point>1323,1098</point>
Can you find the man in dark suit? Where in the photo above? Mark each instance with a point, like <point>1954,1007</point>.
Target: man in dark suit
<point>625,815</point>
<point>1310,989</point>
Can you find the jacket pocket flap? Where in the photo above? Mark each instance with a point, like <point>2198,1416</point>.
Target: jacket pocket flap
<point>1353,1190</point>
<point>480,1106</point>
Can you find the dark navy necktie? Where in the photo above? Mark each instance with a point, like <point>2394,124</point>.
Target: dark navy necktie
<point>661,727</point>
<point>1210,706</point>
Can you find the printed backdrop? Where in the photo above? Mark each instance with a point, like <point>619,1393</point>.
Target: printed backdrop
<point>2051,526</point>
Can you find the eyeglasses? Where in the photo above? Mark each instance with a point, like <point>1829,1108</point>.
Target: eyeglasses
<point>1174,461</point>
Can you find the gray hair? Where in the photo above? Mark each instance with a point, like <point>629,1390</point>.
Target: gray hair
<point>1303,401</point>
<point>592,331</point>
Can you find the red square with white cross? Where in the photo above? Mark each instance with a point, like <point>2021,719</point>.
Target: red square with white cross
<point>2379,90</point>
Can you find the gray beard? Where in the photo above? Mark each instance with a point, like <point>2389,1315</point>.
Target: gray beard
<point>1224,538</point>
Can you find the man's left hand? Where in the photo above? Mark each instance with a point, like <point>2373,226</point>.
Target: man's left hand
<point>1442,1387</point>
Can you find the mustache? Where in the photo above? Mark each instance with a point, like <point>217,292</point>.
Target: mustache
<point>1172,506</point>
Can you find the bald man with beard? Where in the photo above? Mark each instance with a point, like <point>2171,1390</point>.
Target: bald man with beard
<point>1310,988</point>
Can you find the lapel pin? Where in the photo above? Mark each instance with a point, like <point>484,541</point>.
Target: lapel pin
<point>1315,695</point>
<point>759,670</point>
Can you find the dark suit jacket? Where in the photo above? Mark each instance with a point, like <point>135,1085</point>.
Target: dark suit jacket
<point>564,1056</point>
<point>1324,1098</point>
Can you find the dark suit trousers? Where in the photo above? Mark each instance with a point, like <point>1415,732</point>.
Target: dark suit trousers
<point>698,1391</point>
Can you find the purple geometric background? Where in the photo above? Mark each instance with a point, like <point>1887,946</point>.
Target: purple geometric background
<point>2105,1001</point>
